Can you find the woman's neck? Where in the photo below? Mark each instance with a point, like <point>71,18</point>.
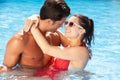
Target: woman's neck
<point>75,42</point>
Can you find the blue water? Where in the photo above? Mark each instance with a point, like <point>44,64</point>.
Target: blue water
<point>106,50</point>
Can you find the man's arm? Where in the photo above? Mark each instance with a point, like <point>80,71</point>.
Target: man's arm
<point>14,48</point>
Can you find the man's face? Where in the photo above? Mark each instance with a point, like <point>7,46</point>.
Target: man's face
<point>57,24</point>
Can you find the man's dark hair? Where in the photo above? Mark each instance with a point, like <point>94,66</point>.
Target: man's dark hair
<point>54,10</point>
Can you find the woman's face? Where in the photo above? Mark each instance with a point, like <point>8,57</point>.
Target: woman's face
<point>72,28</point>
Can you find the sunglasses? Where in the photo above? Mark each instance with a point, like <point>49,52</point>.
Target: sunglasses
<point>73,23</point>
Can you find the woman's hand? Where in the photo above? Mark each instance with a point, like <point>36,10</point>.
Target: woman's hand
<point>34,19</point>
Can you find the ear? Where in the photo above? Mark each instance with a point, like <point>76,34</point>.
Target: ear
<point>49,21</point>
<point>82,31</point>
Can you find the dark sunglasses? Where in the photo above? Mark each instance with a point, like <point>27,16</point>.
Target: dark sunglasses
<point>72,23</point>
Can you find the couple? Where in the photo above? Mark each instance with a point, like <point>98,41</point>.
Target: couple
<point>75,54</point>
<point>31,49</point>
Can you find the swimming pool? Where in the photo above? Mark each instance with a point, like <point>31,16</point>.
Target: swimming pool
<point>106,50</point>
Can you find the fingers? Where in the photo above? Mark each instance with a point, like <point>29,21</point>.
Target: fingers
<point>34,19</point>
<point>28,25</point>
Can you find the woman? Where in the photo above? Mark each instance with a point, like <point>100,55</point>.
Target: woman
<point>79,29</point>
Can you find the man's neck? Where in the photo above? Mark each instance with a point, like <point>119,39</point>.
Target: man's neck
<point>42,28</point>
<point>42,31</point>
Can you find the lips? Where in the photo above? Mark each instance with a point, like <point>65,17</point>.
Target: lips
<point>67,31</point>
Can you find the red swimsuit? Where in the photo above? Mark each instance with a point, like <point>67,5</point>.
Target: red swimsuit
<point>58,65</point>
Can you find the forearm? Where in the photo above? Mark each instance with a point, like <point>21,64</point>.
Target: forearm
<point>39,38</point>
<point>45,46</point>
<point>70,53</point>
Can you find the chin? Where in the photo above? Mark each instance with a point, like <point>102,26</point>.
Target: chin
<point>67,36</point>
<point>52,30</point>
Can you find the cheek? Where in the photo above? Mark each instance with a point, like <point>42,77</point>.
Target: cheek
<point>57,26</point>
<point>75,33</point>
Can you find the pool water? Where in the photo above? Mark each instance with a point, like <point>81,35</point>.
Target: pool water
<point>105,61</point>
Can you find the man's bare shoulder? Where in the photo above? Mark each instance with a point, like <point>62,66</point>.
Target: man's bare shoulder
<point>19,37</point>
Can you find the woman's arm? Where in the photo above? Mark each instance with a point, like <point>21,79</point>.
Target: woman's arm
<point>70,53</point>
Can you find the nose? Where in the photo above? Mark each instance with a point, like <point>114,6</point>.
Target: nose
<point>66,27</point>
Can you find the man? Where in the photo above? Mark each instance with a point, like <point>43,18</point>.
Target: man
<point>22,48</point>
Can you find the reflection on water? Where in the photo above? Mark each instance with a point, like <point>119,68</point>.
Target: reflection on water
<point>75,75</point>
<point>20,74</point>
<point>64,75</point>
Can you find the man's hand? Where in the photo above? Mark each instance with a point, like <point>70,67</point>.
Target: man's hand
<point>34,19</point>
<point>3,69</point>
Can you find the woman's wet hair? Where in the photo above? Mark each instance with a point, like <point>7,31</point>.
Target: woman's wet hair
<point>88,25</point>
<point>54,10</point>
